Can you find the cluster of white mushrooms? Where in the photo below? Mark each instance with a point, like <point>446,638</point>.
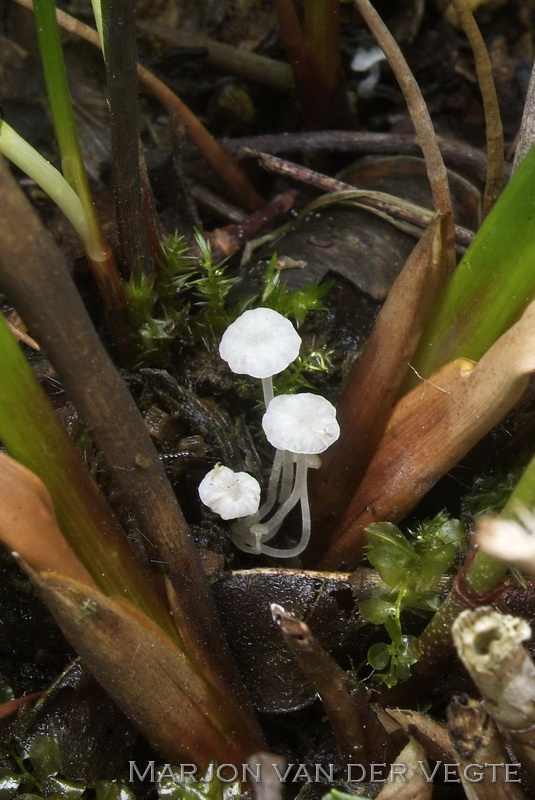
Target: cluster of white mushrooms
<point>261,343</point>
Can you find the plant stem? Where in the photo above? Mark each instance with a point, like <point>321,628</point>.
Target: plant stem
<point>436,169</point>
<point>51,306</point>
<point>98,251</point>
<point>46,176</point>
<point>121,70</point>
<point>219,158</point>
<point>313,50</point>
<point>33,434</point>
<point>491,109</point>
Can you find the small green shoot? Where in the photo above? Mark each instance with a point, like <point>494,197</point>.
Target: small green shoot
<point>295,304</point>
<point>410,570</point>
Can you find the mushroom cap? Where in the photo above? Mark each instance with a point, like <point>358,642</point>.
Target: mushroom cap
<point>260,343</point>
<point>230,494</point>
<point>366,57</point>
<point>301,423</point>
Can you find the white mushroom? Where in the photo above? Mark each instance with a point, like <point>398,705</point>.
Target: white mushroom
<point>305,425</point>
<point>368,60</point>
<point>260,343</point>
<point>230,494</point>
<point>301,423</point>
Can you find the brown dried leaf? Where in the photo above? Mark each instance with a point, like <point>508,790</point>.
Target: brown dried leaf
<point>28,524</point>
<point>366,404</point>
<point>431,429</point>
<point>412,784</point>
<point>328,602</point>
<point>179,713</point>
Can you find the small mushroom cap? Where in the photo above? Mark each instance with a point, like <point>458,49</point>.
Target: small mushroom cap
<point>301,423</point>
<point>230,494</point>
<point>260,343</point>
<point>366,57</point>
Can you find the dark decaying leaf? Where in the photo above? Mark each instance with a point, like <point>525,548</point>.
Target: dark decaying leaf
<point>328,602</point>
<point>359,246</point>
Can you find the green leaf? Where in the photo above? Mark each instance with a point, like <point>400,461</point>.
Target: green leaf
<point>388,536</point>
<point>171,785</point>
<point>335,794</point>
<point>45,756</point>
<point>112,790</point>
<point>434,564</point>
<point>65,789</point>
<point>9,783</point>
<point>377,611</point>
<point>379,655</point>
<point>493,283</point>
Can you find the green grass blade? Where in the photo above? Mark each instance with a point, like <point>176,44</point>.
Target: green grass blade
<point>33,434</point>
<point>46,176</point>
<point>493,283</point>
<point>59,97</point>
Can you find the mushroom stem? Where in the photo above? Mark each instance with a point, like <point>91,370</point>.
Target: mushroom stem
<point>301,469</point>
<point>265,531</point>
<point>267,388</point>
<point>273,485</point>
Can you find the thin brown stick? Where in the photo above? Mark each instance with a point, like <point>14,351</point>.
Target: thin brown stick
<point>221,161</point>
<point>400,212</point>
<point>349,715</point>
<point>421,119</point>
<point>491,108</point>
<point>457,154</point>
<point>256,68</point>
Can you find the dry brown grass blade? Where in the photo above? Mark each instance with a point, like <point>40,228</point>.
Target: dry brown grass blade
<point>436,169</point>
<point>491,109</point>
<point>28,524</point>
<point>372,388</point>
<point>408,777</point>
<point>484,765</point>
<point>431,429</point>
<point>181,715</point>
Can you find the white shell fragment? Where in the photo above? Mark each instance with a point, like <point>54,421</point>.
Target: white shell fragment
<point>230,494</point>
<point>301,423</point>
<point>260,343</point>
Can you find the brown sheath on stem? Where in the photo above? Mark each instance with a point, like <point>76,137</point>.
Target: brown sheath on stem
<point>373,386</point>
<point>484,765</point>
<point>181,715</point>
<point>34,274</point>
<point>28,524</point>
<point>431,429</point>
